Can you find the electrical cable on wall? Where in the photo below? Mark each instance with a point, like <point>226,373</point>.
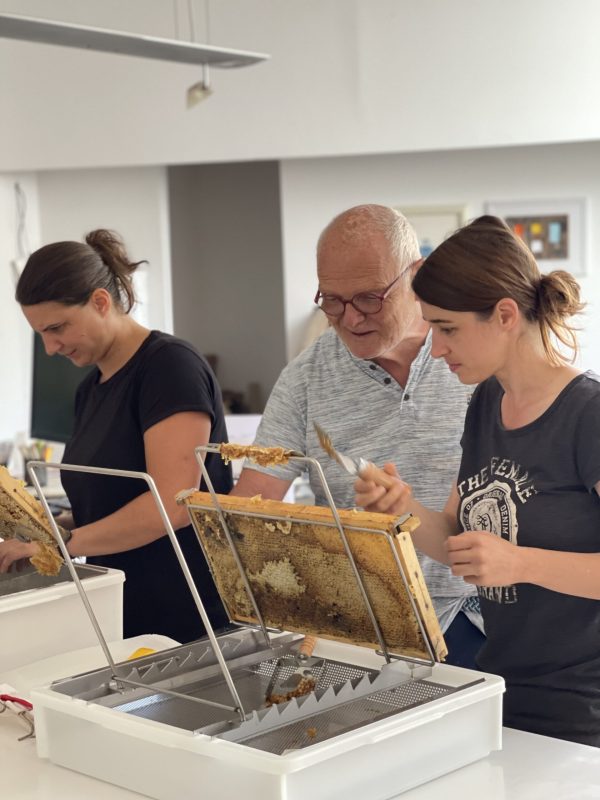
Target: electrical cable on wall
<point>22,242</point>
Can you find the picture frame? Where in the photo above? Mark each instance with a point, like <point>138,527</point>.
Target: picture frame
<point>434,223</point>
<point>555,230</point>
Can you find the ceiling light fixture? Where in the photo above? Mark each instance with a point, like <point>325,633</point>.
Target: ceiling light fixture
<point>199,91</point>
<point>31,29</point>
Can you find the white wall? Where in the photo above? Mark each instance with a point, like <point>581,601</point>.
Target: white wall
<point>133,202</point>
<point>315,190</point>
<point>16,340</point>
<point>65,205</point>
<point>345,77</point>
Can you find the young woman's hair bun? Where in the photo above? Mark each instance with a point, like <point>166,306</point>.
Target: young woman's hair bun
<point>111,249</point>
<point>70,272</point>
<point>558,296</point>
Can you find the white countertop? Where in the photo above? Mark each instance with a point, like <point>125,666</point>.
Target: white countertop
<point>529,767</point>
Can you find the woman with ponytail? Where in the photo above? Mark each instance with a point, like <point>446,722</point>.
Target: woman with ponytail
<point>523,521</point>
<point>149,401</point>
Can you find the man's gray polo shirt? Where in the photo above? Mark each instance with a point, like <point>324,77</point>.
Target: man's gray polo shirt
<point>367,413</point>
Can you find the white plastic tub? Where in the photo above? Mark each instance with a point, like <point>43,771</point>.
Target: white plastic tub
<point>39,622</point>
<point>23,679</point>
<point>375,761</point>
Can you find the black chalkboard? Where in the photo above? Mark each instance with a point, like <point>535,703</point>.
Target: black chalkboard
<point>54,383</point>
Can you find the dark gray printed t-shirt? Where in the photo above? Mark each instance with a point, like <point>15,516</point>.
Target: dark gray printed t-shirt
<point>534,486</point>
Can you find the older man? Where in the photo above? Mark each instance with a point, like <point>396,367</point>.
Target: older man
<point>371,383</point>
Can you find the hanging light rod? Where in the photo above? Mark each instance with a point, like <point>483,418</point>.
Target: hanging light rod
<point>30,29</point>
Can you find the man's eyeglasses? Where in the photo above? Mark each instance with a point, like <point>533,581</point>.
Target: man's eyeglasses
<point>364,302</point>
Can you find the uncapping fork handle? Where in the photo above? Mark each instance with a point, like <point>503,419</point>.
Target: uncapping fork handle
<point>369,472</point>
<point>306,648</point>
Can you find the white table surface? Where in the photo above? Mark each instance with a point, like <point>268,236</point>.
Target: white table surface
<point>529,767</point>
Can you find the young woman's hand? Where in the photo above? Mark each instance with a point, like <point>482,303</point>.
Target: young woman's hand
<point>65,520</point>
<point>484,559</point>
<point>14,550</point>
<point>388,495</point>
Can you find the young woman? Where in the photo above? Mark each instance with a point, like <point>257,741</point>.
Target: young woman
<point>149,401</point>
<point>523,522</point>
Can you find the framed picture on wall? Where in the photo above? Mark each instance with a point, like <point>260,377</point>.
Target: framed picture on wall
<point>554,230</point>
<point>434,223</point>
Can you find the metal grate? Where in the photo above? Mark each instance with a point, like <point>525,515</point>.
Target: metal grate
<point>173,711</point>
<point>252,683</point>
<point>312,727</point>
<point>412,693</point>
<point>347,717</point>
<point>332,674</point>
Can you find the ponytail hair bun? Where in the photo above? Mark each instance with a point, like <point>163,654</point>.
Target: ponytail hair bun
<point>70,272</point>
<point>558,300</point>
<point>111,249</point>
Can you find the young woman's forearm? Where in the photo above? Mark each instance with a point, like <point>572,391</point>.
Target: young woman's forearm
<point>133,525</point>
<point>431,535</point>
<point>577,574</point>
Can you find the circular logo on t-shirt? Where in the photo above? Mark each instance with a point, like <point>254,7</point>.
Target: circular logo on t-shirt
<point>490,509</point>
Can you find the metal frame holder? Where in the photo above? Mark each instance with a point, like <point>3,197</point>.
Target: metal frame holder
<point>302,459</point>
<point>144,476</point>
<point>200,451</point>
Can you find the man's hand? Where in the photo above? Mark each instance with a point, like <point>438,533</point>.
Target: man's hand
<point>484,559</point>
<point>372,496</point>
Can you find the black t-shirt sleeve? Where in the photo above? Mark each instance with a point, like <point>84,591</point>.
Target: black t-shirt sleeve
<point>587,442</point>
<point>174,379</point>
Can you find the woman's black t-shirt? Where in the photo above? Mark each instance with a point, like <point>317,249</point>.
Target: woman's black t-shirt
<point>165,376</point>
<point>535,487</point>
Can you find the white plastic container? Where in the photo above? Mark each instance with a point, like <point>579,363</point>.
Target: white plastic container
<point>38,622</point>
<point>26,677</point>
<point>375,761</point>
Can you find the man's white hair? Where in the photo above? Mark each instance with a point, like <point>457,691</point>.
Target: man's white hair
<point>359,223</point>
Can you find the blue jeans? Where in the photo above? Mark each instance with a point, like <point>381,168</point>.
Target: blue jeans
<point>463,640</point>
